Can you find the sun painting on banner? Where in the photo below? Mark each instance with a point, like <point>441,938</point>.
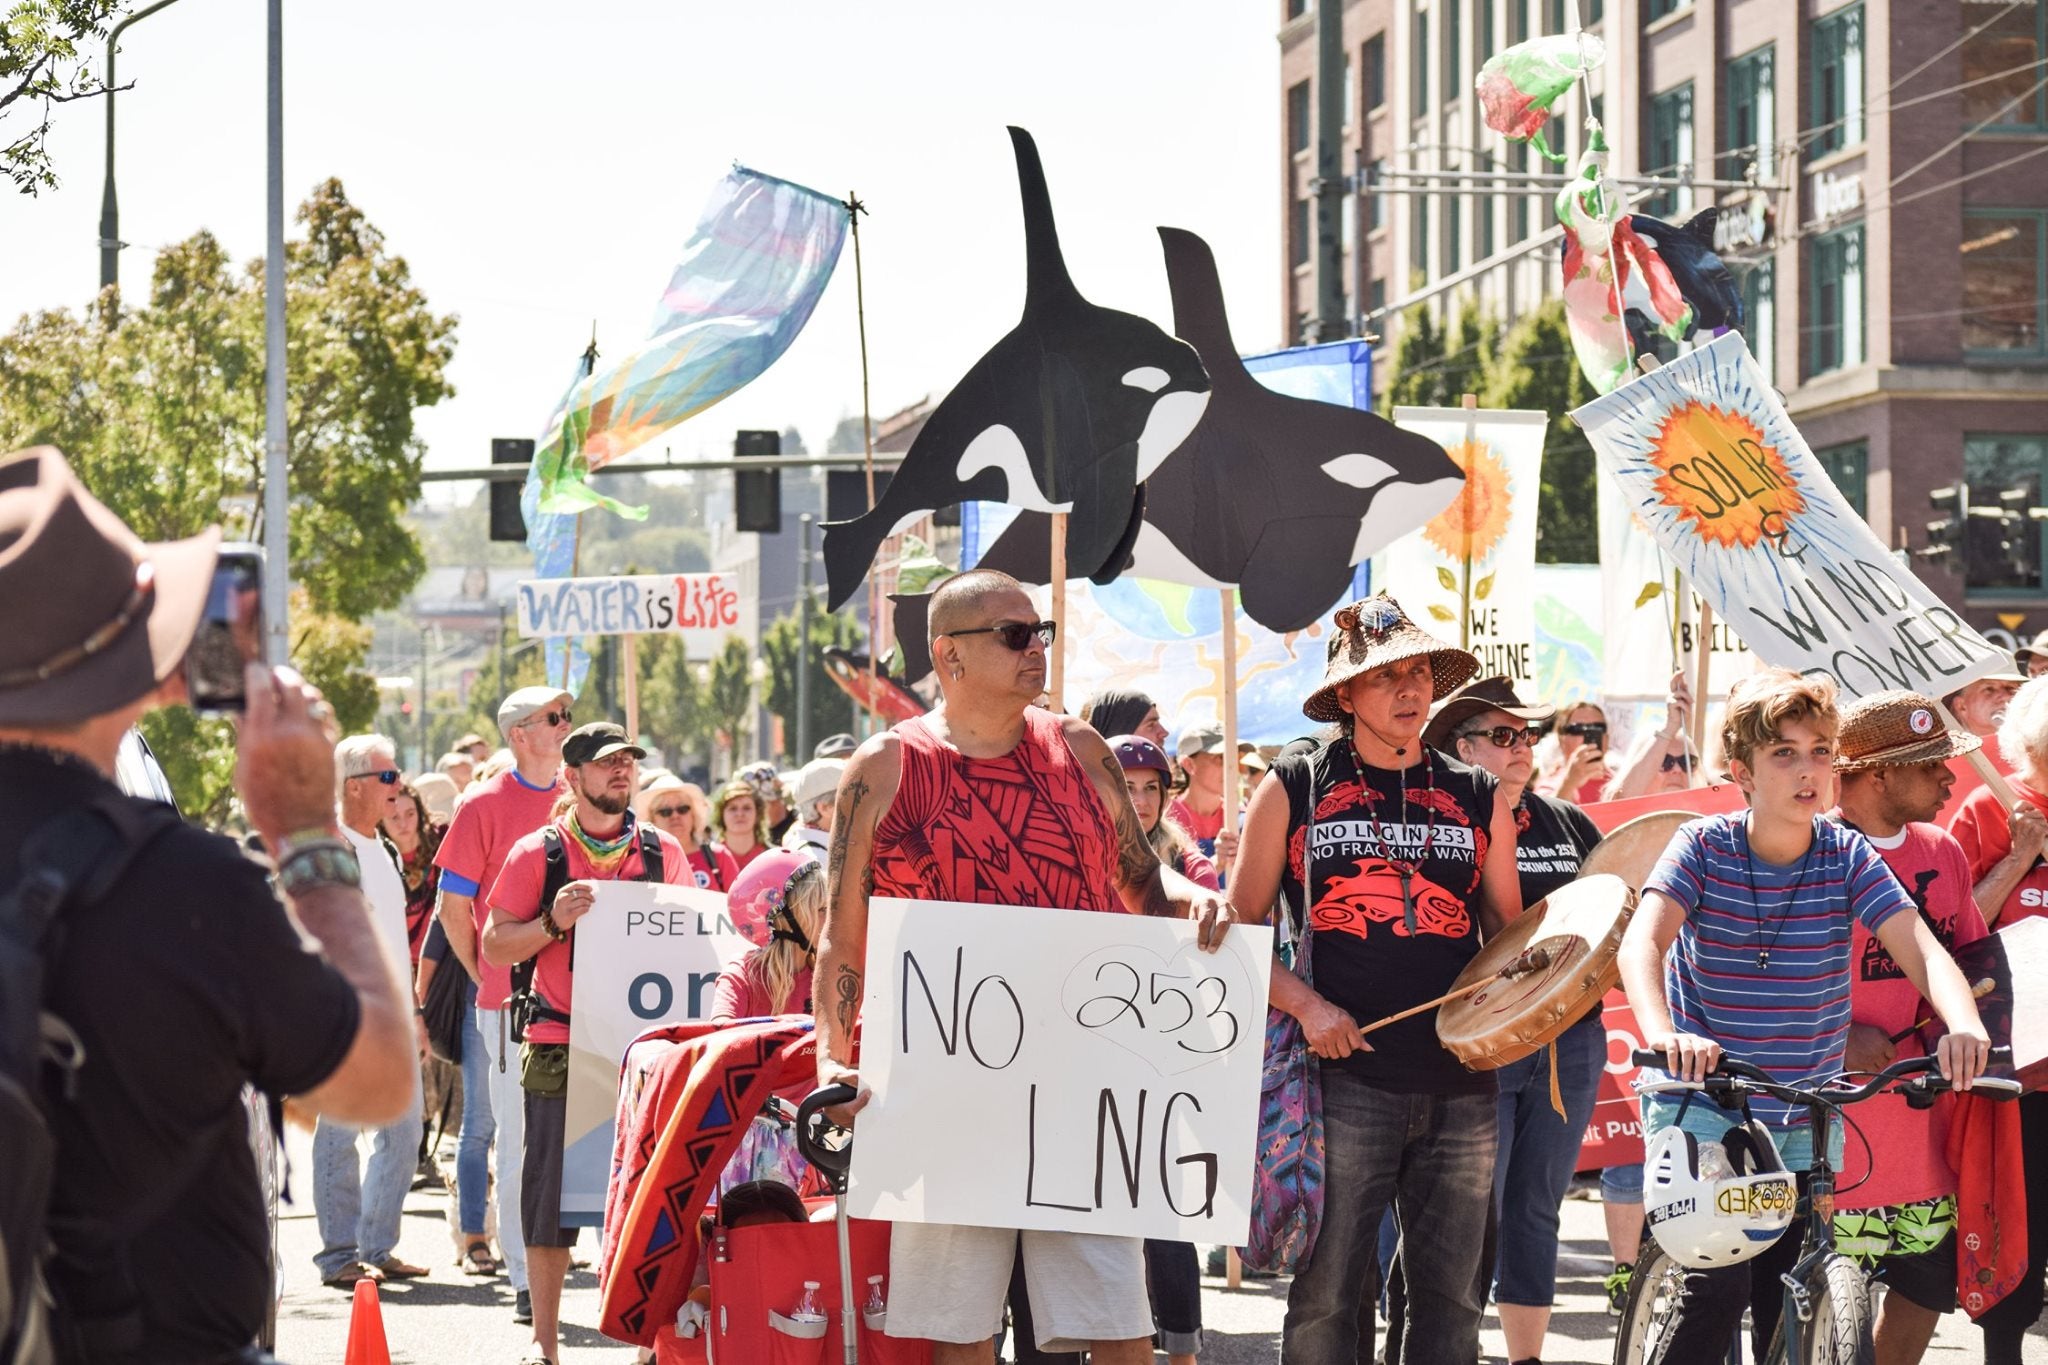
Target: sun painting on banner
<point>1723,477</point>
<point>1478,517</point>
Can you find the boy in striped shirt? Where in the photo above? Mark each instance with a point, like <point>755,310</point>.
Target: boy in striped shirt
<point>1742,943</point>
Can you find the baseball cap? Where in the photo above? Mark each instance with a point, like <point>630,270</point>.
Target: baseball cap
<point>599,739</point>
<point>818,779</point>
<point>840,745</point>
<point>1199,739</point>
<point>525,702</point>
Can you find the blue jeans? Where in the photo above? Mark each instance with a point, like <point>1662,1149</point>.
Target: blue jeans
<point>473,1153</point>
<point>1538,1153</point>
<point>358,1209</point>
<point>1431,1157</point>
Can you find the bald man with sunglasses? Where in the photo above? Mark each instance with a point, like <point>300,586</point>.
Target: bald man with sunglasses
<point>995,801</point>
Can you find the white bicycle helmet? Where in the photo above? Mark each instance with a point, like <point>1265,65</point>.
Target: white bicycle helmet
<point>1717,1203</point>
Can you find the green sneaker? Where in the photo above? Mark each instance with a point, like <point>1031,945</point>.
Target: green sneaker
<point>1616,1285</point>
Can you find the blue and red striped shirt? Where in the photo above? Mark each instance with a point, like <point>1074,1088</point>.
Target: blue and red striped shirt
<point>1789,1014</point>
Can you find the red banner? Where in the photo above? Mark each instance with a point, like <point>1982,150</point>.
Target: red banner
<point>1715,800</point>
<point>1614,1135</point>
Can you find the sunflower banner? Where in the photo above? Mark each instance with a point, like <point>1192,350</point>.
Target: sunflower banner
<point>1468,575</point>
<point>1650,616</point>
<point>1707,460</point>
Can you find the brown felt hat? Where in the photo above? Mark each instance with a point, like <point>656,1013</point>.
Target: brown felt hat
<point>1376,631</point>
<point>96,618</point>
<point>1477,698</point>
<point>1892,729</point>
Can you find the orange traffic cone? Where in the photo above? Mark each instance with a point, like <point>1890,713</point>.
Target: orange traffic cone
<point>366,1344</point>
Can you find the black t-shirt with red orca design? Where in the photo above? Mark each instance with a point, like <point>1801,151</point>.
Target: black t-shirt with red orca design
<point>1368,958</point>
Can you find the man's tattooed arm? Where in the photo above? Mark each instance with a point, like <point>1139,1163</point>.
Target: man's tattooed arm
<point>865,791</point>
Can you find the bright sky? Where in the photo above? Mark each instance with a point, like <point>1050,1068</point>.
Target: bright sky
<point>541,171</point>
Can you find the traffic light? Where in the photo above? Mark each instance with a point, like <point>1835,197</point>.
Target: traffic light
<point>1945,533</point>
<point>757,493</point>
<point>506,522</point>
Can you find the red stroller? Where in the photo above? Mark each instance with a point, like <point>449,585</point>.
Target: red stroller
<point>687,1096</point>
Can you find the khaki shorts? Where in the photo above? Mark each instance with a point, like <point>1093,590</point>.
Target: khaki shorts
<point>948,1283</point>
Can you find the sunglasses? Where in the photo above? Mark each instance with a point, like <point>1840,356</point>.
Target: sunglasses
<point>388,776</point>
<point>1678,762</point>
<point>562,717</point>
<point>1016,635</point>
<point>1503,736</point>
<point>670,812</point>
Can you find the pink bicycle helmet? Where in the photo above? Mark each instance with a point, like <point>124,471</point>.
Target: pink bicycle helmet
<point>1137,752</point>
<point>758,895</point>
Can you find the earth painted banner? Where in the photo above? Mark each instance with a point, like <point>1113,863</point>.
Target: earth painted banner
<point>1706,457</point>
<point>1051,1069</point>
<point>647,953</point>
<point>703,608</point>
<point>1467,575</point>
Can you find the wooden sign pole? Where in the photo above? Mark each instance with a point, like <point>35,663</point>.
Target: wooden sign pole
<point>1702,667</point>
<point>629,661</point>
<point>1056,666</point>
<point>1226,709</point>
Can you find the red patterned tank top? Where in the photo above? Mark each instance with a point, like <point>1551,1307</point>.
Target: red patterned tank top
<point>1023,829</point>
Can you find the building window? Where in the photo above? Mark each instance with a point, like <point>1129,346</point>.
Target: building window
<point>1483,210</point>
<point>1418,237</point>
<point>2005,261</point>
<point>1838,80</point>
<point>2002,65</point>
<point>1760,316</point>
<point>1670,152</point>
<point>1299,124</point>
<point>1348,234</point>
<point>1454,229</point>
<point>1752,115</point>
<point>1421,72</point>
<point>1595,11</point>
<point>1376,296</point>
<point>1374,62</point>
<point>1518,211</point>
<point>1653,10</point>
<point>1299,233</point>
<point>1848,467</point>
<point>1520,15</point>
<point>1453,40</point>
<point>1555,11</point>
<point>2004,552</point>
<point>1296,8</point>
<point>1350,95</point>
<point>1375,196</point>
<point>1834,311</point>
<point>1484,37</point>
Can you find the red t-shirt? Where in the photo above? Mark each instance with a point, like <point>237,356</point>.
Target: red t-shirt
<point>488,820</point>
<point>516,895</point>
<point>1908,1143</point>
<point>1968,779</point>
<point>738,996</point>
<point>1985,832</point>
<point>713,867</point>
<point>740,860</point>
<point>1200,826</point>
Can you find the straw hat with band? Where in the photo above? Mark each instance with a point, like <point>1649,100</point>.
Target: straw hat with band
<point>96,618</point>
<point>1892,729</point>
<point>1476,699</point>
<point>1374,632</point>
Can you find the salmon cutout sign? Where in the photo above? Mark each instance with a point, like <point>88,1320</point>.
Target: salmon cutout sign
<point>1705,456</point>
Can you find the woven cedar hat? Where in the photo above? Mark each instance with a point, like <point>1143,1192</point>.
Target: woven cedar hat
<point>1374,632</point>
<point>1892,729</point>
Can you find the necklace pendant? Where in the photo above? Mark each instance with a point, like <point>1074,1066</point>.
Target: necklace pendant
<point>1763,957</point>
<point>1408,900</point>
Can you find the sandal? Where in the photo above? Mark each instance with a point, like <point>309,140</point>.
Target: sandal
<point>477,1259</point>
<point>392,1268</point>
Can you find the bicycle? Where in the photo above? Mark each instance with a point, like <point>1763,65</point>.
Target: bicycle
<point>1828,1317</point>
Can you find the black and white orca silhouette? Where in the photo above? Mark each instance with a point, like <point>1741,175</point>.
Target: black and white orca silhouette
<point>1278,496</point>
<point>1067,413</point>
<point>1703,279</point>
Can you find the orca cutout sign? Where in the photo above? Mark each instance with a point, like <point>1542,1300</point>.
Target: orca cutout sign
<point>1069,412</point>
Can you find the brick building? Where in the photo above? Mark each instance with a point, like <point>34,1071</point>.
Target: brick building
<point>1882,170</point>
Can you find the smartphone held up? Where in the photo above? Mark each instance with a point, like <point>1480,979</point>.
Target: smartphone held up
<point>230,634</point>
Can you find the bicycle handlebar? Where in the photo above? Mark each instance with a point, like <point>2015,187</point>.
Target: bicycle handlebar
<point>1731,1074</point>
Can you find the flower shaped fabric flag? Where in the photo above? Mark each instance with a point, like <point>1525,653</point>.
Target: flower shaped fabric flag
<point>1518,86</point>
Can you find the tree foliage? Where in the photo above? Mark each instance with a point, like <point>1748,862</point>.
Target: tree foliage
<point>45,61</point>
<point>160,409</point>
<point>831,709</point>
<point>729,694</point>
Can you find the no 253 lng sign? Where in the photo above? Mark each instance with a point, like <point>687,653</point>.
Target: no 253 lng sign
<point>1052,1069</point>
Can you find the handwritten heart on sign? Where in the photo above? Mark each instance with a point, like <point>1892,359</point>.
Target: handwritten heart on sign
<point>1176,1013</point>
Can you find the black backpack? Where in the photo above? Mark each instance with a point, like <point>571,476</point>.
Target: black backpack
<point>526,1004</point>
<point>67,865</point>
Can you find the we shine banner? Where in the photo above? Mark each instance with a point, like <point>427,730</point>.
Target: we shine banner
<point>1706,458</point>
<point>1468,576</point>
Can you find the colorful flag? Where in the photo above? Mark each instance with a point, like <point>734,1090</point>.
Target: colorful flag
<point>1704,453</point>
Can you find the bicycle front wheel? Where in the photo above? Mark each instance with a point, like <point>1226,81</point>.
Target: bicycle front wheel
<point>1654,1290</point>
<point>1839,1333</point>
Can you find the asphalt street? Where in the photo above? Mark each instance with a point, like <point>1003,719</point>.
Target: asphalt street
<point>452,1319</point>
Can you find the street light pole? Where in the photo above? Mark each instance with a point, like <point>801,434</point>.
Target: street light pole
<point>110,209</point>
<point>803,640</point>
<point>276,500</point>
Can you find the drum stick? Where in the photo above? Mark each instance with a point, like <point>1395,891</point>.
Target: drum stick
<point>1533,960</point>
<point>1983,988</point>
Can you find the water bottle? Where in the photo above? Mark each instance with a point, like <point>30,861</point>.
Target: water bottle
<point>809,1309</point>
<point>874,1305</point>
